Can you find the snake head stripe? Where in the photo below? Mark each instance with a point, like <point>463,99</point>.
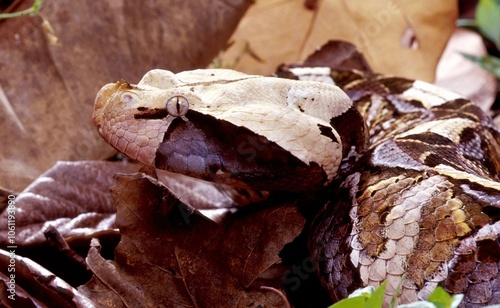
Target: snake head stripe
<point>228,127</point>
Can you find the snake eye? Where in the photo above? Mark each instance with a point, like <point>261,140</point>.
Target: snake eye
<point>177,106</point>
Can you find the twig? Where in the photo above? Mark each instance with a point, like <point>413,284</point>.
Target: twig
<point>32,10</point>
<point>279,293</point>
<point>55,237</point>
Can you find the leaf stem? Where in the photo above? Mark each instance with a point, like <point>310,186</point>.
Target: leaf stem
<point>32,11</point>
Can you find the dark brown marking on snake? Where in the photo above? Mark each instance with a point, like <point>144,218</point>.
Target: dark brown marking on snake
<point>284,72</point>
<point>432,160</point>
<point>461,108</point>
<point>352,131</point>
<point>338,55</point>
<point>471,144</point>
<point>429,138</point>
<point>455,104</point>
<point>331,233</point>
<point>439,151</point>
<point>327,132</point>
<point>146,113</point>
<point>368,86</point>
<point>405,106</point>
<point>343,78</point>
<point>213,149</point>
<point>489,196</point>
<point>396,85</point>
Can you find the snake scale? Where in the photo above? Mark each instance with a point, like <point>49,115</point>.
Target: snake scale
<point>412,170</point>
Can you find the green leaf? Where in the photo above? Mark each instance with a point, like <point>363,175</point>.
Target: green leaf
<point>353,302</point>
<point>370,298</point>
<point>377,297</point>
<point>440,298</point>
<point>419,304</point>
<point>363,292</point>
<point>488,19</point>
<point>363,298</point>
<point>489,63</point>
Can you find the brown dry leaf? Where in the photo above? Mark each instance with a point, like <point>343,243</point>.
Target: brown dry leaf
<point>171,256</point>
<point>35,286</point>
<point>59,213</point>
<point>47,90</point>
<point>72,196</point>
<point>384,31</point>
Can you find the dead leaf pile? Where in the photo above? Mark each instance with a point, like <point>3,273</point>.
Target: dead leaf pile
<point>169,257</point>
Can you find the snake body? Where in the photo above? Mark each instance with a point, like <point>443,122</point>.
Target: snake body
<point>413,171</point>
<point>420,208</point>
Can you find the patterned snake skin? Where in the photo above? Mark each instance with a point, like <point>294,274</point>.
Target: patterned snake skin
<point>420,207</point>
<point>414,183</point>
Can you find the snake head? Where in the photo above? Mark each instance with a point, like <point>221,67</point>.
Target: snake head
<point>227,127</point>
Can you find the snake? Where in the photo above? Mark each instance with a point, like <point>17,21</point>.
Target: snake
<point>411,171</point>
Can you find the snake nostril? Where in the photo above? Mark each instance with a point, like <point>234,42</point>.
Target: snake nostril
<point>127,98</point>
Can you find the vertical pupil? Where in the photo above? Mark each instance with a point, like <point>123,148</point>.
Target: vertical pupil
<point>177,106</point>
